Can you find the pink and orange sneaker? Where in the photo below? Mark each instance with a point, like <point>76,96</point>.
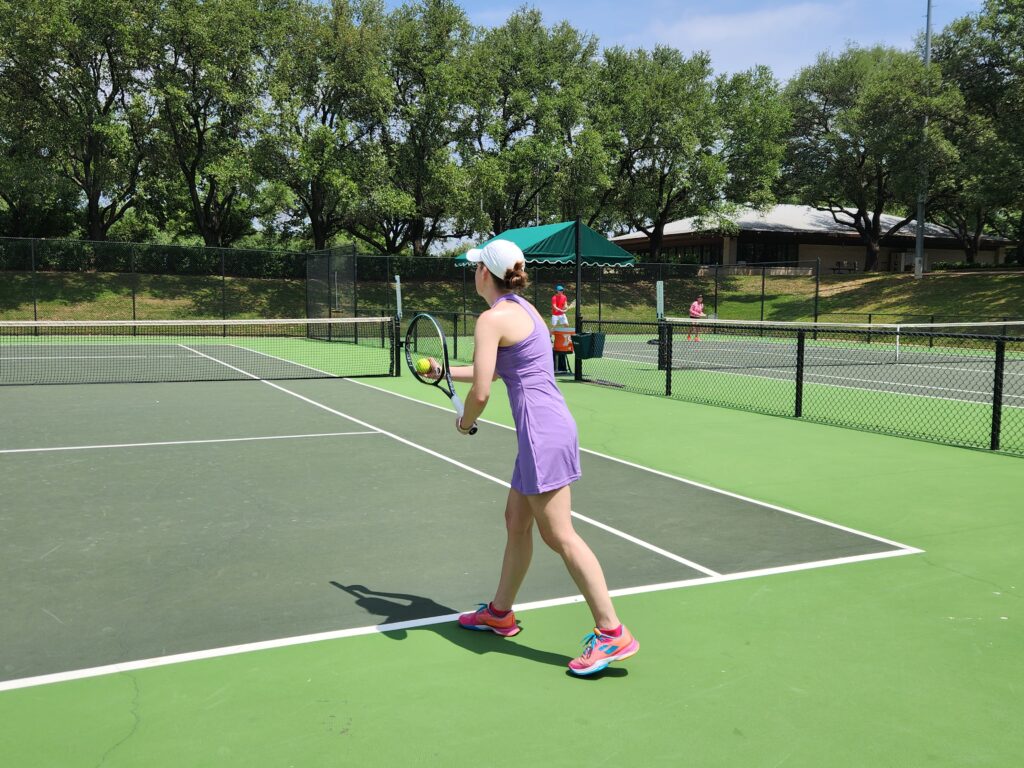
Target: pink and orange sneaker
<point>484,619</point>
<point>601,650</point>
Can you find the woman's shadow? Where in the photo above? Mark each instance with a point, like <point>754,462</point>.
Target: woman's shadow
<point>422,614</point>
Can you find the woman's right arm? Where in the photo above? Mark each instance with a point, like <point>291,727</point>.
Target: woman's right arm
<point>464,373</point>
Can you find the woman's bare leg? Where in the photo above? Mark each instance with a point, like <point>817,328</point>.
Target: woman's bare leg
<point>518,550</point>
<point>552,512</point>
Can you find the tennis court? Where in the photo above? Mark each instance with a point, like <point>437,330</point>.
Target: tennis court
<point>217,572</point>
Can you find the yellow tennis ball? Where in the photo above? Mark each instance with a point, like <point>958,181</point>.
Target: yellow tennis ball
<point>423,365</point>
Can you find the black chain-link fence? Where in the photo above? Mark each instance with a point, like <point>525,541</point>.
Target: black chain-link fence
<point>959,387</point>
<point>80,280</point>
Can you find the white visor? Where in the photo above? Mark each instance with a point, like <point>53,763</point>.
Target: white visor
<point>498,256</point>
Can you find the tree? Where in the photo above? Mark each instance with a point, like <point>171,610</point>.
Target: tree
<point>983,55</point>
<point>660,124</point>
<point>755,122</point>
<point>682,143</point>
<point>208,86</point>
<point>328,89</point>
<point>80,62</point>
<point>35,199</point>
<point>415,192</point>
<point>857,148</point>
<point>525,106</point>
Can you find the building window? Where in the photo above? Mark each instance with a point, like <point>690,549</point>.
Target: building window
<point>762,253</point>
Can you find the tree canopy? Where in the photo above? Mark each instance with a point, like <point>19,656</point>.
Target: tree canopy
<point>304,123</point>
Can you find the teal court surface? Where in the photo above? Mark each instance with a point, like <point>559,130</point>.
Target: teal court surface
<point>266,574</point>
<point>152,520</point>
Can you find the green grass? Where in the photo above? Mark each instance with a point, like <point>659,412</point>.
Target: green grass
<point>912,661</point>
<point>886,297</point>
<point>108,296</point>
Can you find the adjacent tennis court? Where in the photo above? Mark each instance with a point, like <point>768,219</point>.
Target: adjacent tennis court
<point>266,572</point>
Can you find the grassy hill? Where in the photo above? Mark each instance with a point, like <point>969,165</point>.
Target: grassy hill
<point>885,297</point>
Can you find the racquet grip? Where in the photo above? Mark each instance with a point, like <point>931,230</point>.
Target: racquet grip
<point>460,412</point>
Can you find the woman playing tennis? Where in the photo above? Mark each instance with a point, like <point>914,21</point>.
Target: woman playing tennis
<point>513,342</point>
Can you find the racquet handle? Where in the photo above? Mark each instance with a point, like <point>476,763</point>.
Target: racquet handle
<point>460,412</point>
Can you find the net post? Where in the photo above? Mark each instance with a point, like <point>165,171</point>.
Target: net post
<point>801,338</point>
<point>665,351</point>
<point>396,346</point>
<point>997,394</point>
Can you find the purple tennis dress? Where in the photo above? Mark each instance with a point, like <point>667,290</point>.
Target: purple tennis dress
<point>549,449</point>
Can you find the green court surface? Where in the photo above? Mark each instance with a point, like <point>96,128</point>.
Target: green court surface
<point>254,574</point>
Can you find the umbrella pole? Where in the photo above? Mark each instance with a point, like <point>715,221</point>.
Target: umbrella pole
<point>579,300</point>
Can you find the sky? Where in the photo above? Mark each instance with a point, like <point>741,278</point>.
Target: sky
<point>784,34</point>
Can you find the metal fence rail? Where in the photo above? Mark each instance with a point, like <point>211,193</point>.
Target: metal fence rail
<point>955,388</point>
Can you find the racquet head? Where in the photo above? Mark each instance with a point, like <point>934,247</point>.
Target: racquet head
<point>424,340</point>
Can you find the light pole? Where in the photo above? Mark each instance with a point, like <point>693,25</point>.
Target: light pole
<point>923,192</point>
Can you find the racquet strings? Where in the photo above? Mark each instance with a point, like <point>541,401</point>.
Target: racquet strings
<point>423,340</point>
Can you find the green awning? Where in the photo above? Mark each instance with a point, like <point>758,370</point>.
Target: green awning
<point>556,244</point>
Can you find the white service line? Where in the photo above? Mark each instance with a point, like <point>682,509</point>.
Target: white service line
<point>703,486</point>
<point>284,642</point>
<point>181,442</point>
<point>467,467</point>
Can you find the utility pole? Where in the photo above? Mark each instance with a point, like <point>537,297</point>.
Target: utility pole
<point>923,191</point>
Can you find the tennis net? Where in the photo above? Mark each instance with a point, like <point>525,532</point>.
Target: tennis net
<point>103,352</point>
<point>708,343</point>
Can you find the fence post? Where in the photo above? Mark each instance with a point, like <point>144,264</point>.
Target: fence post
<point>665,352</point>
<point>134,280</point>
<point>817,285</point>
<point>355,282</point>
<point>35,283</point>
<point>716,290</point>
<point>764,272</point>
<point>801,336</point>
<point>223,289</point>
<point>997,394</point>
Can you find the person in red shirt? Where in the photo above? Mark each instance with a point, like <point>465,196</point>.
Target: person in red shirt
<point>696,311</point>
<point>559,303</point>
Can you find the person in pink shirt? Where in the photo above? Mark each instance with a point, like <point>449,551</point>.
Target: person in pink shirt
<point>696,311</point>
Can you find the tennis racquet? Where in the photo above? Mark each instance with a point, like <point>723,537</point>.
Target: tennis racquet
<point>425,340</point>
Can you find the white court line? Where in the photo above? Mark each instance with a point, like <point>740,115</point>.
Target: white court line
<point>285,642</point>
<point>712,578</point>
<point>694,483</point>
<point>181,442</point>
<point>467,467</point>
<point>809,376</point>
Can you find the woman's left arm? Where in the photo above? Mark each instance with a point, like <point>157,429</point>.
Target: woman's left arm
<point>485,358</point>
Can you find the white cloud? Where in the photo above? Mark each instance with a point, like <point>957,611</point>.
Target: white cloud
<point>785,37</point>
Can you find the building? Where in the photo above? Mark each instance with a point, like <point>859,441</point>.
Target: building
<point>792,233</point>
